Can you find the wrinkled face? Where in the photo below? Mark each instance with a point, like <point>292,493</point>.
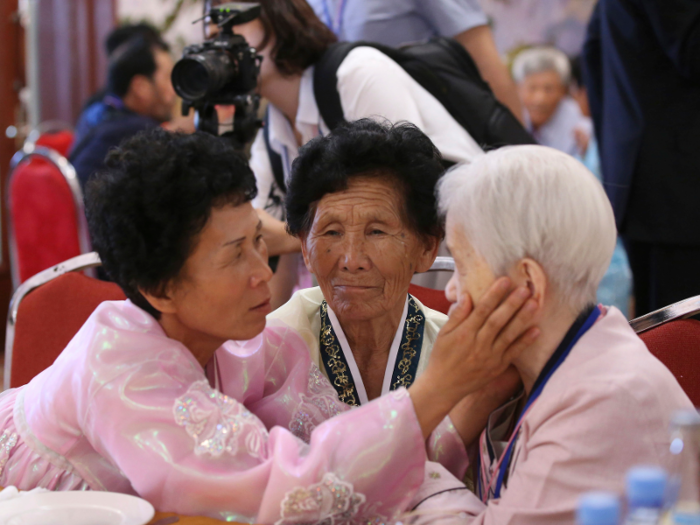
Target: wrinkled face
<point>222,290</point>
<point>541,94</point>
<point>472,275</point>
<point>162,96</point>
<point>361,250</point>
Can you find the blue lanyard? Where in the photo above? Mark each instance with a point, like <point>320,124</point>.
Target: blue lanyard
<point>338,19</point>
<point>592,317</point>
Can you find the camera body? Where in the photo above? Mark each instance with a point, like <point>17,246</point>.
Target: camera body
<point>222,71</point>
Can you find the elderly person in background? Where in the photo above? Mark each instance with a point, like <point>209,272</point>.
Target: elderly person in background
<point>361,200</point>
<point>595,401</point>
<point>553,118</point>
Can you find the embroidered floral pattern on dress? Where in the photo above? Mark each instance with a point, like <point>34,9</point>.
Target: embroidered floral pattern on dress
<point>320,405</point>
<point>7,443</point>
<point>329,502</point>
<point>217,423</point>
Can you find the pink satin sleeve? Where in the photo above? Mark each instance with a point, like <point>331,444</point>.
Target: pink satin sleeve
<point>242,454</point>
<point>445,446</point>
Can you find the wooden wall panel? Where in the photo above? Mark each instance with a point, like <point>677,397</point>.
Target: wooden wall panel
<point>11,81</point>
<point>72,58</point>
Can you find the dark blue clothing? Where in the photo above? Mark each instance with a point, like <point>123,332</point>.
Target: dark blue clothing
<point>642,69</point>
<point>102,126</point>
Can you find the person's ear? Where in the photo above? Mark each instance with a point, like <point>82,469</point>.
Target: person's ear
<point>305,251</point>
<point>161,302</point>
<point>429,251</point>
<point>528,272</point>
<point>141,87</point>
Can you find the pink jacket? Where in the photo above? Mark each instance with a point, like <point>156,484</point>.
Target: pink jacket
<point>606,409</point>
<point>124,408</point>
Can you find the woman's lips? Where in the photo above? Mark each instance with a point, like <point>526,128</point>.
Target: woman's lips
<point>263,307</point>
<point>353,288</point>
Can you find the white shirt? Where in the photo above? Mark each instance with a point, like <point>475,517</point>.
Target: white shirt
<point>370,84</point>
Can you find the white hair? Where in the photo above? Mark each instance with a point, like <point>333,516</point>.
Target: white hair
<point>537,202</point>
<point>539,59</point>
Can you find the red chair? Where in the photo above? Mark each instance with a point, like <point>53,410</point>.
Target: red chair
<point>54,135</point>
<point>47,311</point>
<point>431,298</point>
<point>46,216</point>
<point>675,341</point>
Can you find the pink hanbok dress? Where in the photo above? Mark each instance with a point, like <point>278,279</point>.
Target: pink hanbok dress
<point>125,408</point>
<point>606,409</point>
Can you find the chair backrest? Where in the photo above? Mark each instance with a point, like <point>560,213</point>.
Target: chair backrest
<point>431,298</point>
<point>675,341</point>
<point>46,312</point>
<point>60,141</point>
<point>54,135</point>
<point>677,345</point>
<point>46,215</point>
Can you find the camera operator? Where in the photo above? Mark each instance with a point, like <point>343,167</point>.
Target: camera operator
<point>291,39</point>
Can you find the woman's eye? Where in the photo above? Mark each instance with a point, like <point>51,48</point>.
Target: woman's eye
<point>377,232</point>
<point>258,239</point>
<point>332,233</point>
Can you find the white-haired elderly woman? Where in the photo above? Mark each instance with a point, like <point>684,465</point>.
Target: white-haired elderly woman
<point>543,75</point>
<point>595,401</point>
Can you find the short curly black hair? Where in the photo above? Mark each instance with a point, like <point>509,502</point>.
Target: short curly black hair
<point>366,147</point>
<point>147,207</point>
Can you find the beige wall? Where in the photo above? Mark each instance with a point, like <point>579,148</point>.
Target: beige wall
<point>183,31</point>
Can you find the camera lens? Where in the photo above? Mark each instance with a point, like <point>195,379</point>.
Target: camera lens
<point>199,75</point>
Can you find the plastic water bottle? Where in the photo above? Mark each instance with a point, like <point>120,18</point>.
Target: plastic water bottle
<point>684,480</point>
<point>598,508</point>
<point>646,491</point>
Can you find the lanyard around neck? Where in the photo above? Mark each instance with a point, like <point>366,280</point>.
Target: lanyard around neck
<point>503,463</point>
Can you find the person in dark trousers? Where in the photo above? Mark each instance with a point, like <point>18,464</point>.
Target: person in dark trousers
<point>641,64</point>
<point>139,96</point>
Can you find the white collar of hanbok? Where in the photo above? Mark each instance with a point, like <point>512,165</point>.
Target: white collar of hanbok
<point>350,358</point>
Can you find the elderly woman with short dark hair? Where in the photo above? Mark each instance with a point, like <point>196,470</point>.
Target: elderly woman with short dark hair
<point>362,202</point>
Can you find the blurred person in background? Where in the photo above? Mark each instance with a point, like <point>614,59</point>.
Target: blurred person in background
<point>395,23</point>
<point>616,287</point>
<point>99,104</point>
<point>642,69</point>
<point>139,96</point>
<point>553,118</point>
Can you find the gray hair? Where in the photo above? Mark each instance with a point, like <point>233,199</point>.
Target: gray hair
<point>539,59</point>
<point>537,202</point>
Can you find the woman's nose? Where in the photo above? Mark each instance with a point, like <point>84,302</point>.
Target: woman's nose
<point>262,273</point>
<point>354,257</point>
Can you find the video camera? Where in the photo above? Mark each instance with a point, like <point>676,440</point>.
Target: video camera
<point>224,71</point>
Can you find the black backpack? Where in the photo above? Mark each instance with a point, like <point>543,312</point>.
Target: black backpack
<point>444,69</point>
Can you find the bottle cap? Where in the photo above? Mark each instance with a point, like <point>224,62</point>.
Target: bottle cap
<point>688,417</point>
<point>598,508</point>
<point>646,487</point>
